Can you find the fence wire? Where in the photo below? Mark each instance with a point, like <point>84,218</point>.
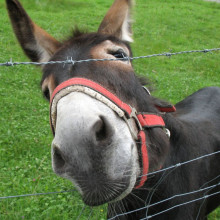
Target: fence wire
<point>170,198</point>
<point>185,203</point>
<point>167,54</point>
<point>71,61</point>
<point>36,194</point>
<point>149,174</point>
<point>183,163</point>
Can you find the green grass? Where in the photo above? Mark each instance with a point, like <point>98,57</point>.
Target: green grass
<point>25,137</point>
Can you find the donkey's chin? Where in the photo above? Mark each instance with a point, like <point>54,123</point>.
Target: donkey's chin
<point>100,198</point>
<point>105,190</point>
<point>108,193</point>
<point>111,189</point>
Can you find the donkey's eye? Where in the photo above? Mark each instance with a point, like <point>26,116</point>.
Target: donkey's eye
<point>46,93</point>
<point>119,53</point>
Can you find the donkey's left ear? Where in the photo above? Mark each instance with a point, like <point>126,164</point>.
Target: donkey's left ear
<point>117,21</point>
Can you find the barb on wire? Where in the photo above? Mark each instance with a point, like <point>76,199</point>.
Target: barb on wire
<point>167,199</point>
<point>71,61</point>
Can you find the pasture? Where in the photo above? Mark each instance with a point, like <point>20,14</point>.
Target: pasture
<point>25,136</point>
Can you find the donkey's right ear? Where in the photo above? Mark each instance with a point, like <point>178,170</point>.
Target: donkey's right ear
<point>38,45</point>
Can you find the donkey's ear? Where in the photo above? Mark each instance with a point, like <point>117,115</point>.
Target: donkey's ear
<point>117,21</point>
<point>37,44</point>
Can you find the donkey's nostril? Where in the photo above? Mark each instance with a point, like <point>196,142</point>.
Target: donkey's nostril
<point>102,130</point>
<point>58,159</point>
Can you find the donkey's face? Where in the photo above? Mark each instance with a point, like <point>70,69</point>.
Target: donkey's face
<point>92,146</point>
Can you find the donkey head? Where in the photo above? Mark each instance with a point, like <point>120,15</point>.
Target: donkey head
<point>92,146</point>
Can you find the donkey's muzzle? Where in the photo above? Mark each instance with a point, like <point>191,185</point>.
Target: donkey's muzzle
<point>93,148</point>
<point>90,134</point>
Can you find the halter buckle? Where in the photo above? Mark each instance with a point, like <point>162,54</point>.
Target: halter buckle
<point>133,123</point>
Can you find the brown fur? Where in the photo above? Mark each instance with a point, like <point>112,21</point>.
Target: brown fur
<point>118,14</point>
<point>48,86</point>
<point>36,43</point>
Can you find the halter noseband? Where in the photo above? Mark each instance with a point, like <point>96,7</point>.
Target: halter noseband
<point>136,122</point>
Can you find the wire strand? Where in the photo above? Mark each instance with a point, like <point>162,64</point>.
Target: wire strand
<point>173,166</point>
<point>35,194</point>
<point>165,200</point>
<point>185,203</point>
<point>183,163</point>
<point>71,61</point>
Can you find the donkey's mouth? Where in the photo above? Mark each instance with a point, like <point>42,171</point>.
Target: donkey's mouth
<point>99,200</point>
<point>101,189</point>
<point>99,197</point>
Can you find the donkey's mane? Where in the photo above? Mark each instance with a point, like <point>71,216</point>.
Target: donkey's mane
<point>81,35</point>
<point>77,32</point>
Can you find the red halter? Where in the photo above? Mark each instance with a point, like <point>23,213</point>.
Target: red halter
<point>135,121</point>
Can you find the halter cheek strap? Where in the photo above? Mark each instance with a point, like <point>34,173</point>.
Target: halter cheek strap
<point>136,122</point>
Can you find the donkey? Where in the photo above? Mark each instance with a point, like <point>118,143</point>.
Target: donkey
<point>109,133</point>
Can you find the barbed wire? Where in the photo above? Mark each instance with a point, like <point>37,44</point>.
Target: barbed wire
<point>167,54</point>
<point>71,61</point>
